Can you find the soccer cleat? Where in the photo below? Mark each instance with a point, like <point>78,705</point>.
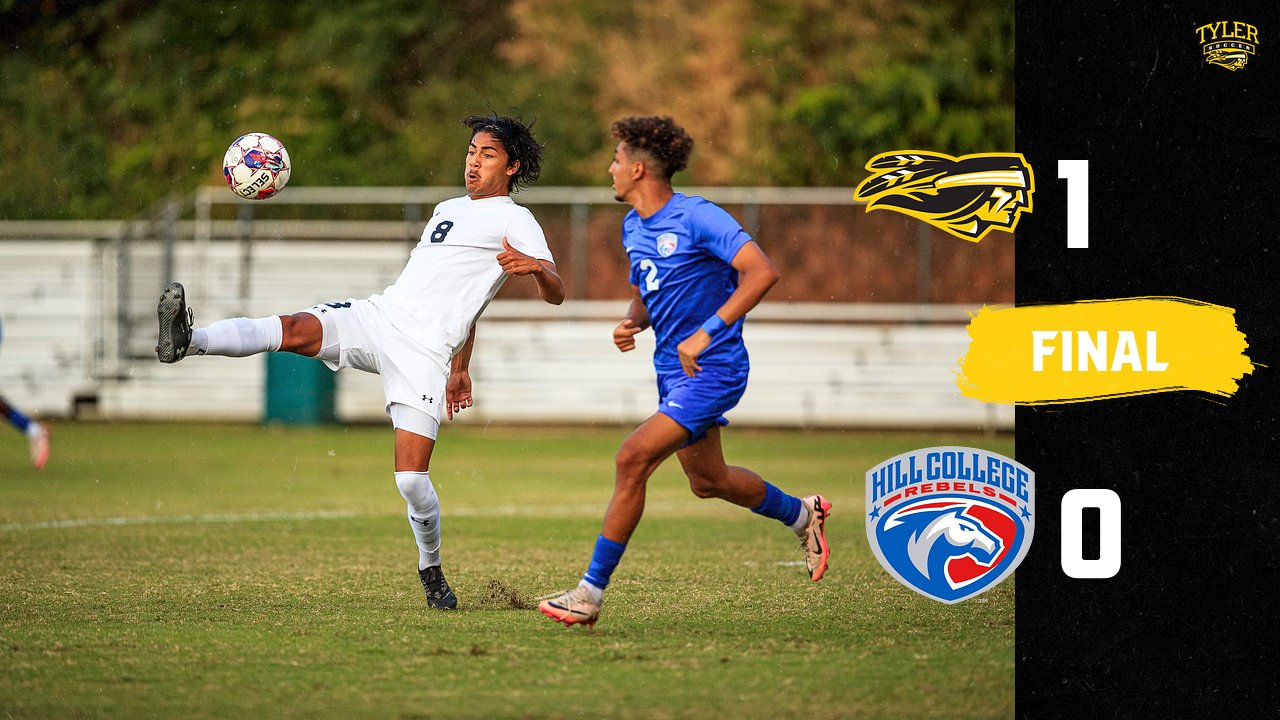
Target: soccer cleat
<point>814,540</point>
<point>175,324</point>
<point>439,595</point>
<point>573,607</point>
<point>39,440</point>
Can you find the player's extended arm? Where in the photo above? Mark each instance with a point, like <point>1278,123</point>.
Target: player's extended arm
<point>635,321</point>
<point>756,275</point>
<point>514,262</point>
<point>457,392</point>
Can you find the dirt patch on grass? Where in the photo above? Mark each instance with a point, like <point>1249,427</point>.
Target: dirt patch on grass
<point>498,595</point>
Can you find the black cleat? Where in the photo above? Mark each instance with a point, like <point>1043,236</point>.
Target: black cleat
<point>175,324</point>
<point>439,595</point>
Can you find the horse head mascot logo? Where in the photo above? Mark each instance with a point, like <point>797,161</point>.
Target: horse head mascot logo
<point>950,522</point>
<point>932,537</point>
<point>966,196</point>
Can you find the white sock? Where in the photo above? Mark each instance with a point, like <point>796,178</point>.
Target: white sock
<point>424,514</point>
<point>238,337</point>
<point>596,593</point>
<point>802,520</point>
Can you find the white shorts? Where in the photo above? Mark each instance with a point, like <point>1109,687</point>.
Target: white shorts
<point>357,335</point>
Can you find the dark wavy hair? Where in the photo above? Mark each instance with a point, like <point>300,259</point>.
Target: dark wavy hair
<point>659,138</point>
<point>517,139</point>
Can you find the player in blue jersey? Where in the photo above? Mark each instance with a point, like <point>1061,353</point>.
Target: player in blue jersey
<point>695,275</point>
<point>37,434</point>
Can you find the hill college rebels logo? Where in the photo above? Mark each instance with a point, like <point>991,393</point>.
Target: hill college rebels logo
<point>667,244</point>
<point>950,522</point>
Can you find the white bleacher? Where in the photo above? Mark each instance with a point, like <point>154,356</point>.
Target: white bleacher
<point>48,312</point>
<point>812,366</point>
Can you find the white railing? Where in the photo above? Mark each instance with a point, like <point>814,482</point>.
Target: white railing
<point>78,303</point>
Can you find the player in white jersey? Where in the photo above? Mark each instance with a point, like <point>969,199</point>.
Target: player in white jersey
<point>419,332</point>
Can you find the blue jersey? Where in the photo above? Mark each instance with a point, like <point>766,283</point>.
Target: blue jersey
<point>680,260</point>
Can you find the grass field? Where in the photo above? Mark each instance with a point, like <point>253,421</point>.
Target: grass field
<point>184,571</point>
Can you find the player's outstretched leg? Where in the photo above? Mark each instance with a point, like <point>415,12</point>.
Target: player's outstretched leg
<point>175,324</point>
<point>439,595</point>
<point>814,539</point>
<point>574,607</point>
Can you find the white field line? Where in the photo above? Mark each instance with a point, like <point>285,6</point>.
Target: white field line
<point>480,511</point>
<point>175,520</point>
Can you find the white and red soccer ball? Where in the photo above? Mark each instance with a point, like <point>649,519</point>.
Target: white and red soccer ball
<point>256,166</point>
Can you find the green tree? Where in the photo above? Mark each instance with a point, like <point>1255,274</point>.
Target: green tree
<point>108,106</point>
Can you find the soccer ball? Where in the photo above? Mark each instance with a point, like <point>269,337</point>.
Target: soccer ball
<point>256,166</point>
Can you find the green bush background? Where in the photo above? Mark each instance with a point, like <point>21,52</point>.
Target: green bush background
<point>107,106</point>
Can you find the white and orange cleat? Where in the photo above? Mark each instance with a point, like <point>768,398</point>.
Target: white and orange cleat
<point>573,607</point>
<point>814,540</point>
<point>38,439</point>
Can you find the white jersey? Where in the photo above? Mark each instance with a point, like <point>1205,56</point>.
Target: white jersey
<point>453,272</point>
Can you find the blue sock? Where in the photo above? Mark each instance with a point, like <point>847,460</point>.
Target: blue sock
<point>20,421</point>
<point>603,560</point>
<point>778,505</point>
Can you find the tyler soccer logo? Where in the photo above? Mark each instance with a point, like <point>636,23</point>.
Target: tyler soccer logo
<point>1228,44</point>
<point>967,196</point>
<point>950,522</point>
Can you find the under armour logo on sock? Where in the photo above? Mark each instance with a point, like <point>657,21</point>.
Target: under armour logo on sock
<point>424,522</point>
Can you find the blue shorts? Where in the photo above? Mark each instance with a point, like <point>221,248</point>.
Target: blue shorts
<point>699,403</point>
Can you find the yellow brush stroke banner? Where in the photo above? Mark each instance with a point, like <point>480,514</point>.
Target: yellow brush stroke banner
<point>1095,349</point>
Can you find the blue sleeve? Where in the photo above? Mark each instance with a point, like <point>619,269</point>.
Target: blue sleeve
<point>633,274</point>
<point>717,231</point>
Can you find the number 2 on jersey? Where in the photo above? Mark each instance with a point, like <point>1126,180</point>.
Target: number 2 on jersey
<point>651,281</point>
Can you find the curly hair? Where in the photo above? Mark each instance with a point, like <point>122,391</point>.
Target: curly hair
<point>659,138</point>
<point>517,139</point>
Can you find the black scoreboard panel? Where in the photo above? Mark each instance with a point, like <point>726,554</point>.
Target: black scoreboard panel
<point>1183,200</point>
